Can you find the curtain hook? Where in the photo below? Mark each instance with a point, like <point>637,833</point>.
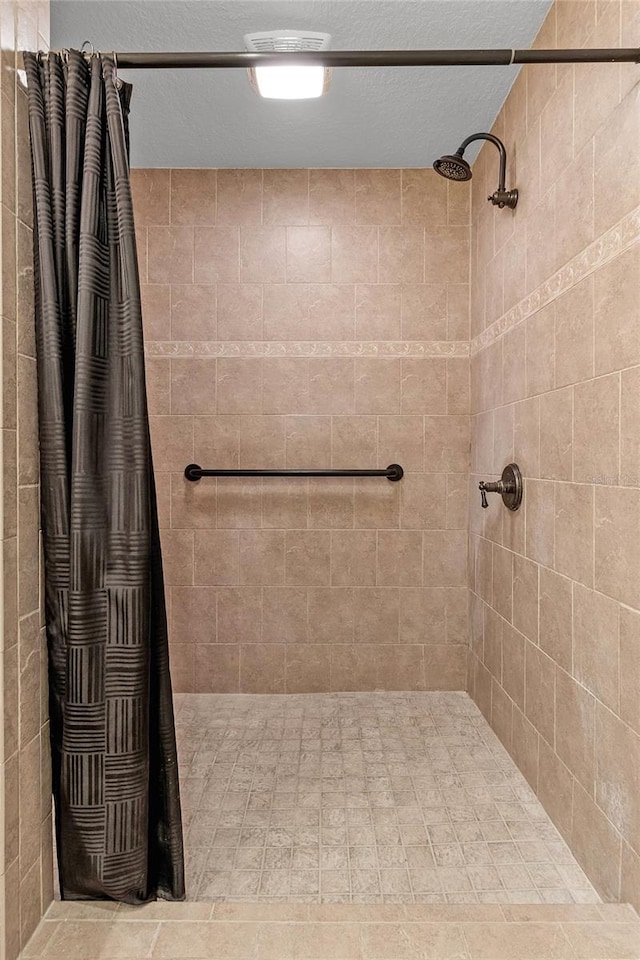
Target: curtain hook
<point>89,52</point>
<point>116,79</point>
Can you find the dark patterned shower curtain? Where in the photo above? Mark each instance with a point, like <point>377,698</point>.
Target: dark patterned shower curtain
<point>115,774</point>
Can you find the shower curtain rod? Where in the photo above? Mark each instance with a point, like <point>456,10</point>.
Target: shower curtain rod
<point>377,58</point>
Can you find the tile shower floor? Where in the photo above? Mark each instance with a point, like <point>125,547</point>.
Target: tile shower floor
<point>361,797</point>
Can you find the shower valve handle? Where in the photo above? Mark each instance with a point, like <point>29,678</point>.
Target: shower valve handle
<point>491,487</point>
<point>509,486</point>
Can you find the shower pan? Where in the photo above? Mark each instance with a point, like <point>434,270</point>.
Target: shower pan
<point>362,798</point>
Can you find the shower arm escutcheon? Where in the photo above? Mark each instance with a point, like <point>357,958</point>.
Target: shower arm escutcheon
<point>509,486</point>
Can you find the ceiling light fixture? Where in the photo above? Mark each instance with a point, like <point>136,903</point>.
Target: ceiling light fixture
<point>288,82</point>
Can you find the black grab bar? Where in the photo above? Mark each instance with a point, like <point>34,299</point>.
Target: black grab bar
<point>393,472</point>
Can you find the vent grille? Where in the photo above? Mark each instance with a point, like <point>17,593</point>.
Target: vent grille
<point>286,41</point>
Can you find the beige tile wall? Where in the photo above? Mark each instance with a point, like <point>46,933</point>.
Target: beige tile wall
<point>310,318</point>
<point>25,794</point>
<point>555,603</point>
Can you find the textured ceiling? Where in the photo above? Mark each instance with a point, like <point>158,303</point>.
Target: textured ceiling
<point>375,117</point>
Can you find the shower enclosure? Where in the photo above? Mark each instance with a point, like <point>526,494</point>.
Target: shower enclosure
<point>343,320</point>
<point>317,320</point>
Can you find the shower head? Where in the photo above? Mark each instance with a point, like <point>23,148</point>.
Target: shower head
<point>455,167</point>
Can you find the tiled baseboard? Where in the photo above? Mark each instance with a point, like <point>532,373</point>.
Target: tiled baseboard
<point>330,932</point>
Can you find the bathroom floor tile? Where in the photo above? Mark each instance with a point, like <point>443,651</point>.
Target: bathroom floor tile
<point>361,798</point>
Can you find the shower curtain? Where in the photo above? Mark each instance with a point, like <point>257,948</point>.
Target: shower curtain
<point>115,777</point>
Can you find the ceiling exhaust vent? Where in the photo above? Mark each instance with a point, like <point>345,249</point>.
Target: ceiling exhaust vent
<point>288,82</point>
<point>286,41</point>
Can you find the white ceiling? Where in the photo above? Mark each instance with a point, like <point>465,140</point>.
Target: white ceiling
<point>375,117</point>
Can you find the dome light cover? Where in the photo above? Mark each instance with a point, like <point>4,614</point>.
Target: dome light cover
<point>284,82</point>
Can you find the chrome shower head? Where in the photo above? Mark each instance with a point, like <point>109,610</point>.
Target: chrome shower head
<point>453,167</point>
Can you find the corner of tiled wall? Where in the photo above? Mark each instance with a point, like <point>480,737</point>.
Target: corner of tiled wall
<point>26,870</point>
<point>555,373</point>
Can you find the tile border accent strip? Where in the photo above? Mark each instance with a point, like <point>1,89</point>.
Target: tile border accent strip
<point>306,348</point>
<point>611,244</point>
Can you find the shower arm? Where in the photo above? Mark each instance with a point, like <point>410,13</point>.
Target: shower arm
<point>501,197</point>
<point>501,150</point>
